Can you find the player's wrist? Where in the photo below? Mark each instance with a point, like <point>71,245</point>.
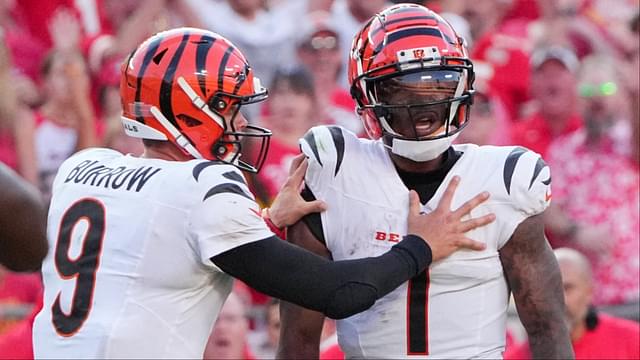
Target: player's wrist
<point>418,249</point>
<point>274,225</point>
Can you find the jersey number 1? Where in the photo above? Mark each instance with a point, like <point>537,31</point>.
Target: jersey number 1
<point>83,267</point>
<point>418,315</point>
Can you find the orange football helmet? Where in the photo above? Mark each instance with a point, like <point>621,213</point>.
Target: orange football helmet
<point>418,49</point>
<point>180,86</point>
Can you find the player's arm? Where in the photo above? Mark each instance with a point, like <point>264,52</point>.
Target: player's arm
<point>342,288</point>
<point>534,277</point>
<point>300,328</point>
<point>23,241</point>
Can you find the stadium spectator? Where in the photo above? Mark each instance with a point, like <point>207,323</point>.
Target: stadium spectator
<point>26,49</point>
<point>266,33</point>
<point>554,92</point>
<point>17,343</point>
<point>159,254</point>
<point>491,124</point>
<point>266,340</point>
<point>319,51</point>
<point>292,108</point>
<point>348,17</point>
<point>503,45</point>
<point>597,186</point>
<point>16,144</point>
<point>23,242</point>
<point>65,123</point>
<point>579,25</point>
<point>229,337</point>
<point>632,84</point>
<point>19,293</point>
<point>414,93</point>
<point>594,335</point>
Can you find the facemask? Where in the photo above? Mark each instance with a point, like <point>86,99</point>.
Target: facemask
<point>424,150</point>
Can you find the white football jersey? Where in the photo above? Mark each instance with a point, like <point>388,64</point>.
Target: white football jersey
<point>128,273</point>
<point>456,309</point>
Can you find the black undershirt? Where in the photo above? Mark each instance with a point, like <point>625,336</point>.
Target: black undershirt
<point>427,183</point>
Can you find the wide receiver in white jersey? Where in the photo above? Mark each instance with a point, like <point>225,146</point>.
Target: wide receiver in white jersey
<point>144,249</point>
<point>413,84</point>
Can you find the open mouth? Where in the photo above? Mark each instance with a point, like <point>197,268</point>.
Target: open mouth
<point>426,122</point>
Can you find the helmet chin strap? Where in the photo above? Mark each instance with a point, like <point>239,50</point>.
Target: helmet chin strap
<point>424,150</point>
<point>181,140</point>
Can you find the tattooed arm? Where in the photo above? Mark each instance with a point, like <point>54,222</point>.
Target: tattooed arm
<point>534,277</point>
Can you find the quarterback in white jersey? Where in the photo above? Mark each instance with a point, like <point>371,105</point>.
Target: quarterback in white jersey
<point>144,249</point>
<point>147,279</point>
<point>413,83</point>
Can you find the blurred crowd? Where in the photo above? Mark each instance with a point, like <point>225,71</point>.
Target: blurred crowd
<point>559,77</point>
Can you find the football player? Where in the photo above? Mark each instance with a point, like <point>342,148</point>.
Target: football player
<point>413,83</point>
<point>144,249</point>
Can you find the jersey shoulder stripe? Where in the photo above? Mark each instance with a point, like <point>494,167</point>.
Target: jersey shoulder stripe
<point>540,165</point>
<point>221,178</point>
<point>510,165</point>
<point>226,188</point>
<point>338,141</point>
<point>512,161</point>
<point>197,170</point>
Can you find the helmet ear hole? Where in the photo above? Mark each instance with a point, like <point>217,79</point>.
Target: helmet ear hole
<point>217,103</point>
<point>220,150</point>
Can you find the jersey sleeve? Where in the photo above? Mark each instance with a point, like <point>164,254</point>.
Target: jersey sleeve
<point>324,146</point>
<point>225,217</point>
<point>527,182</point>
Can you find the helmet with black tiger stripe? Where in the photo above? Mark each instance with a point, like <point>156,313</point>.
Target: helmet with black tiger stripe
<point>411,48</point>
<point>187,86</point>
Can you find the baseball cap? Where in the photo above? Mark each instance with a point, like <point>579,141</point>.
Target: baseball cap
<point>558,53</point>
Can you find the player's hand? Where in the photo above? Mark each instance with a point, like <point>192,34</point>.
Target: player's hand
<point>288,206</point>
<point>444,229</point>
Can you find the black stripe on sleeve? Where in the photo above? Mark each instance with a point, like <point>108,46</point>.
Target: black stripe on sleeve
<point>540,164</point>
<point>201,166</point>
<point>338,141</point>
<point>310,138</point>
<point>510,166</point>
<point>232,175</point>
<point>226,188</point>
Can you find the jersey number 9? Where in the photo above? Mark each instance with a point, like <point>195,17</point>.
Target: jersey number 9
<point>83,267</point>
